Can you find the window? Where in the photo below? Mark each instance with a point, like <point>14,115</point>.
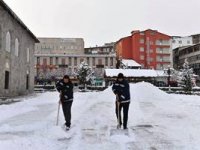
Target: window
<point>27,81</point>
<point>16,47</point>
<point>180,42</point>
<point>141,49</point>
<point>111,61</point>
<point>141,41</point>
<point>75,61</point>
<point>93,61</point>
<point>99,61</point>
<point>142,57</point>
<point>70,61</point>
<point>8,42</point>
<point>63,61</point>
<point>151,59</point>
<point>38,60</point>
<point>28,55</point>
<point>6,80</point>
<point>159,50</point>
<point>56,60</point>
<point>44,61</point>
<point>81,60</point>
<point>188,42</point>
<point>106,61</point>
<point>51,60</point>
<point>88,60</point>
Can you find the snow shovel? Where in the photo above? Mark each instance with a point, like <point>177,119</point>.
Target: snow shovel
<point>58,113</point>
<point>118,113</point>
<point>118,131</point>
<point>57,120</point>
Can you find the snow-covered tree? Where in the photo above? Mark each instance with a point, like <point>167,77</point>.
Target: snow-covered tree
<point>186,77</point>
<point>84,74</point>
<point>120,65</point>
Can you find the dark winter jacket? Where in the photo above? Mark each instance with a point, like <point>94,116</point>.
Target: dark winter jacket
<point>122,90</point>
<point>66,90</point>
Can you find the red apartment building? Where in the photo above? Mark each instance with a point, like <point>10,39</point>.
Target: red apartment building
<point>149,48</point>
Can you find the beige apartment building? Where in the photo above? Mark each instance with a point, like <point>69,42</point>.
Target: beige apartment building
<point>56,57</point>
<point>60,46</point>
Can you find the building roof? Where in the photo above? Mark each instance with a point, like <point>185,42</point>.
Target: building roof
<point>131,72</point>
<point>130,63</point>
<point>138,31</point>
<point>185,47</point>
<point>74,55</point>
<point>7,8</point>
<point>154,31</point>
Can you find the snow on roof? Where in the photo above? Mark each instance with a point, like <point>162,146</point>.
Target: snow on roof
<point>131,72</point>
<point>130,62</point>
<point>161,73</point>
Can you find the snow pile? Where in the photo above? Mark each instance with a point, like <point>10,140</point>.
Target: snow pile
<point>156,121</point>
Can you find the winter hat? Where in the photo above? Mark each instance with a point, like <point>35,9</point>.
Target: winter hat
<point>120,75</point>
<point>66,77</point>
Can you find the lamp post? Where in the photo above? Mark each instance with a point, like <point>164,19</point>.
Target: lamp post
<point>169,71</point>
<point>168,78</point>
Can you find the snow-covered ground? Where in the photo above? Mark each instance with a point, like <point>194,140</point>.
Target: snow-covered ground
<point>157,121</point>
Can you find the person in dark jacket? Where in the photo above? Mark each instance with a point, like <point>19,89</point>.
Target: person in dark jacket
<point>122,91</point>
<point>65,88</point>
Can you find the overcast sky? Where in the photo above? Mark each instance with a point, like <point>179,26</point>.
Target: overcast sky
<point>101,21</point>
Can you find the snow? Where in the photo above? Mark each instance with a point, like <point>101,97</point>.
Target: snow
<point>157,120</point>
<point>131,72</point>
<point>130,63</point>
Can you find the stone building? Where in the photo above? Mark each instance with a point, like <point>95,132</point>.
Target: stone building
<point>16,54</point>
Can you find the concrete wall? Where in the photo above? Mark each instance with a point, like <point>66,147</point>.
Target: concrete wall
<point>179,42</point>
<point>16,65</point>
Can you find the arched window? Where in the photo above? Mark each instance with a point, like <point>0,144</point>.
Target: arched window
<point>16,47</point>
<point>8,42</point>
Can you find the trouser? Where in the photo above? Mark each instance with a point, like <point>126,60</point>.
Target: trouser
<point>67,112</point>
<point>125,107</point>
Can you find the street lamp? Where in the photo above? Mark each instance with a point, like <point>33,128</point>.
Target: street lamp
<point>169,71</point>
<point>168,78</point>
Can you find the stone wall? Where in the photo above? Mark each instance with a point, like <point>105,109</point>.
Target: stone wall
<point>17,66</point>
